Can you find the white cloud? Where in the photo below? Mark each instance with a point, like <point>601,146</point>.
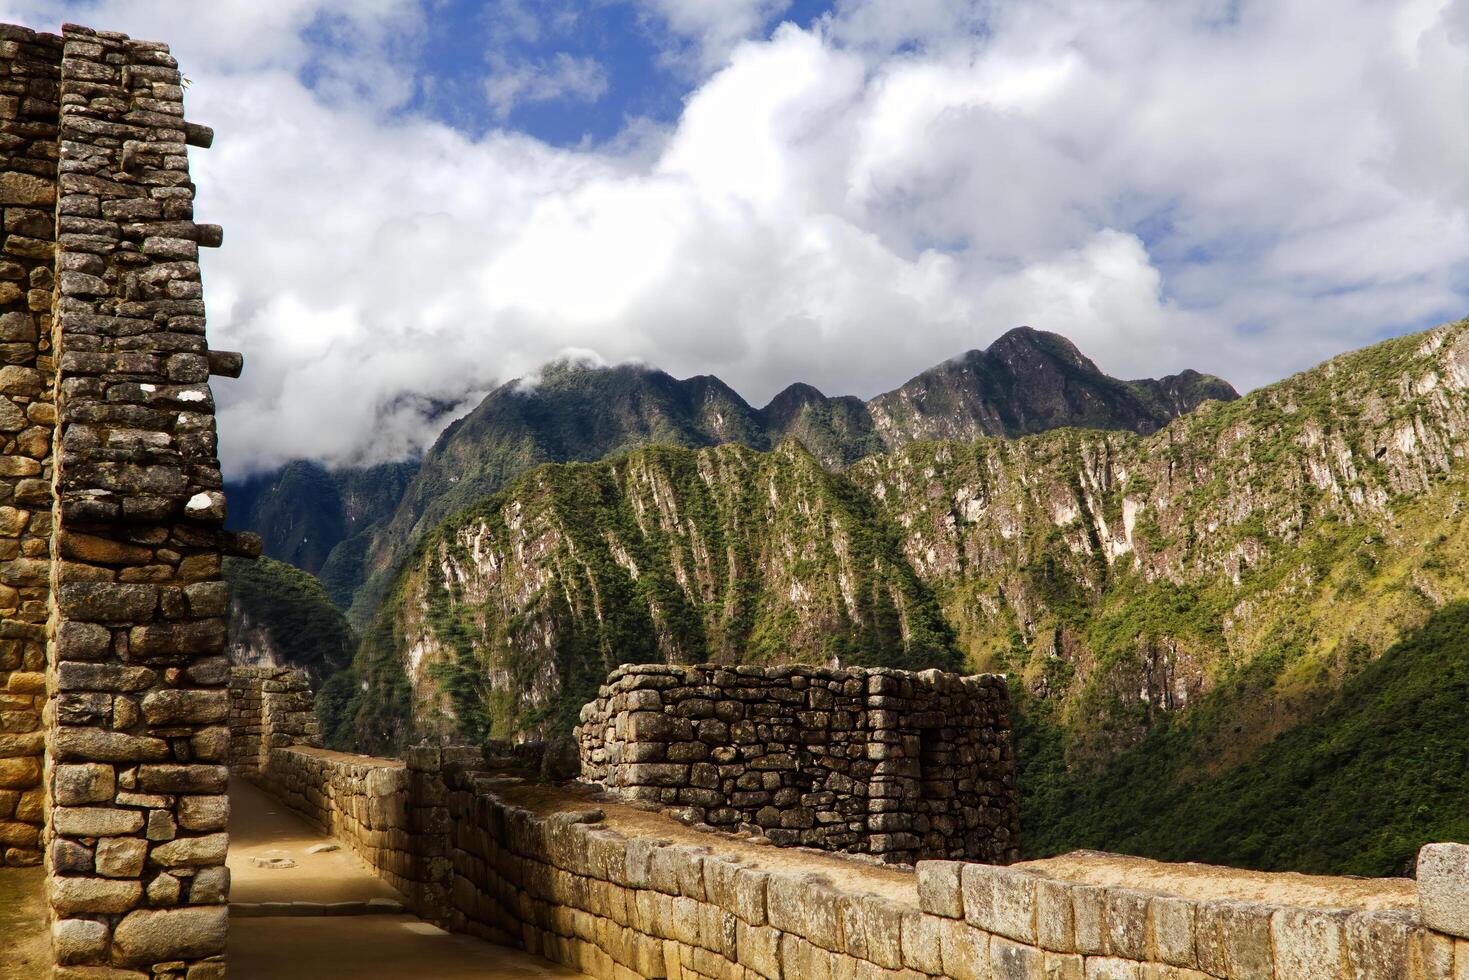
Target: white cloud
<point>1229,187</point>
<point>557,79</point>
<point>713,26</point>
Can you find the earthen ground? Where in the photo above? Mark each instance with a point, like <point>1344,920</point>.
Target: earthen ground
<point>371,947</point>
<point>356,947</point>
<point>25,946</point>
<point>261,827</point>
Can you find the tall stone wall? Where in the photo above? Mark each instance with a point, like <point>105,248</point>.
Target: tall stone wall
<point>30,71</point>
<point>892,763</point>
<point>111,599</point>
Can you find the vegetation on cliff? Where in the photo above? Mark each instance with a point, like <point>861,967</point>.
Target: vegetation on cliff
<point>282,616</point>
<point>354,527</point>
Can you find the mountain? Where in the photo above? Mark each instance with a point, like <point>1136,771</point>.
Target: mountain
<point>281,616</point>
<point>356,526</point>
<point>511,614</point>
<point>319,519</point>
<point>1170,605</point>
<point>1030,381</point>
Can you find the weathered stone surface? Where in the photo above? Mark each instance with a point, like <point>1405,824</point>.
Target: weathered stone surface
<point>938,888</point>
<point>185,851</point>
<point>158,935</point>
<point>122,857</point>
<point>26,189</point>
<point>93,896</point>
<point>1443,887</point>
<point>19,773</point>
<point>203,812</point>
<point>95,744</point>
<point>183,778</point>
<point>1309,943</point>
<point>186,707</point>
<point>79,941</point>
<point>96,821</point>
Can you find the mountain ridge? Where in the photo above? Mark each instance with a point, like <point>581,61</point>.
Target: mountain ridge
<point>1027,380</point>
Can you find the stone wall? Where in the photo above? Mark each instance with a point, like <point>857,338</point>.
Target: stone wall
<point>30,72</point>
<point>270,707</point>
<point>892,763</point>
<point>611,905</point>
<point>601,891</point>
<point>111,601</point>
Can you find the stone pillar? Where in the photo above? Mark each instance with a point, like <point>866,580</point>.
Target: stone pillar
<point>138,741</point>
<point>30,67</point>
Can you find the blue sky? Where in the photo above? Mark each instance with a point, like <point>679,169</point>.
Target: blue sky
<point>647,70</point>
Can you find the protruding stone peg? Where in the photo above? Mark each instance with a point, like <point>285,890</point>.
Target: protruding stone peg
<point>226,363</point>
<point>197,135</point>
<point>240,544</point>
<point>210,236</point>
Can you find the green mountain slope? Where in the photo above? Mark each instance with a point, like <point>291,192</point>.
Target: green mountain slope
<point>354,527</point>
<point>318,519</point>
<point>1381,771</point>
<point>281,616</point>
<point>510,614</point>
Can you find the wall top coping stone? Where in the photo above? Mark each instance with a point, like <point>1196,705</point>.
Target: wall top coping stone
<point>347,758</point>
<point>1208,882</point>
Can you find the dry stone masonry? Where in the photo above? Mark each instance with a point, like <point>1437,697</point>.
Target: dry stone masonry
<point>618,893</point>
<point>270,707</point>
<point>111,601</point>
<point>892,763</point>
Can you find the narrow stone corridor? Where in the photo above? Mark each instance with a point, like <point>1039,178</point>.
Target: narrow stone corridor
<point>328,916</point>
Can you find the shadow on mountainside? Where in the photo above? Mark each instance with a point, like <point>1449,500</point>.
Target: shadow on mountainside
<point>1380,771</point>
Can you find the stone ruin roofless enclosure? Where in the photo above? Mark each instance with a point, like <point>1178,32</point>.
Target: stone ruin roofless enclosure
<point>113,706</point>
<point>897,764</point>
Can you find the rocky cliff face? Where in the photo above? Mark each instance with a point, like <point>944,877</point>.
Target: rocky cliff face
<point>510,615</point>
<point>1266,549</point>
<point>356,526</point>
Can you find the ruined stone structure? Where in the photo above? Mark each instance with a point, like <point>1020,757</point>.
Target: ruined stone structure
<point>619,893</point>
<point>269,707</point>
<point>892,763</point>
<point>111,601</point>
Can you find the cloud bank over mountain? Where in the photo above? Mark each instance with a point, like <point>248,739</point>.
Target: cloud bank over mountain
<point>1240,187</point>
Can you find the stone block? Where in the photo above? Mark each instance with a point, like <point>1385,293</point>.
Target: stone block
<point>1000,900</point>
<point>965,950</point>
<point>174,707</point>
<point>1015,961</point>
<point>150,936</point>
<point>1443,887</point>
<point>95,821</point>
<point>79,941</point>
<point>1173,930</point>
<point>1127,923</point>
<point>921,943</point>
<point>121,857</point>
<point>1054,919</point>
<point>939,888</point>
<point>1112,968</point>
<point>93,896</point>
<point>883,928</point>
<point>1309,943</point>
<point>204,812</point>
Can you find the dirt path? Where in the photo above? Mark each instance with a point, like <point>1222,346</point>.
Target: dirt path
<point>25,947</point>
<point>349,947</point>
<point>262,828</point>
